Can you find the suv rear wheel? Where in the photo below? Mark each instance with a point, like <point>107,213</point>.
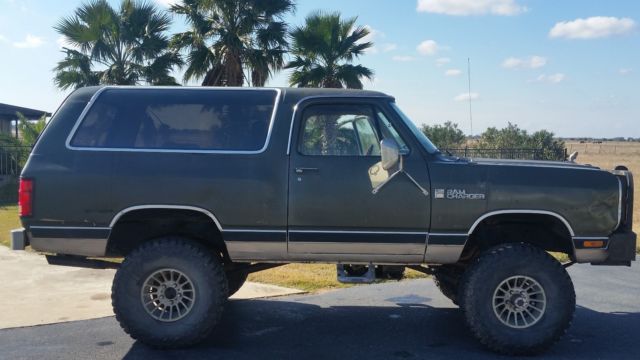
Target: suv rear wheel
<point>517,299</point>
<point>169,293</point>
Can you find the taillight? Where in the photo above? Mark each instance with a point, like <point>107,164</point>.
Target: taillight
<point>25,197</point>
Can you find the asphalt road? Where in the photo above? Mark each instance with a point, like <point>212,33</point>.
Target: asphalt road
<point>406,320</point>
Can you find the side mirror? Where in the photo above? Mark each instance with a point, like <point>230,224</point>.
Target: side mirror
<point>390,153</point>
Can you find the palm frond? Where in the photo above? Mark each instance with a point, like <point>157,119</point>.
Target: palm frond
<point>128,44</point>
<point>324,48</point>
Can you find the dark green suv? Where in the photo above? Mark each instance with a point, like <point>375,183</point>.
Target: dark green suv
<point>197,187</point>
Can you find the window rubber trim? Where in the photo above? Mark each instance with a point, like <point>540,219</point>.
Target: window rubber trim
<point>188,151</point>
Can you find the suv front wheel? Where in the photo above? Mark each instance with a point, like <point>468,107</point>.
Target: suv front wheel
<point>169,293</point>
<point>517,299</point>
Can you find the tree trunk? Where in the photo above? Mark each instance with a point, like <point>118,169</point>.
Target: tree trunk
<point>233,70</point>
<point>213,77</point>
<point>329,135</point>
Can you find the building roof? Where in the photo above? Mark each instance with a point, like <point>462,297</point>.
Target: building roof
<point>8,112</point>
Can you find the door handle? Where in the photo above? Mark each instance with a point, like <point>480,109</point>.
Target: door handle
<point>300,170</point>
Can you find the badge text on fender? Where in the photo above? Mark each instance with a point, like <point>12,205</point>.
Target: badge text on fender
<point>461,194</point>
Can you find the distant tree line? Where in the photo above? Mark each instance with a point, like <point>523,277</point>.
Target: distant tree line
<point>449,136</point>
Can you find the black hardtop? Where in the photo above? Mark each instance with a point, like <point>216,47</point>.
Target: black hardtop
<point>290,95</point>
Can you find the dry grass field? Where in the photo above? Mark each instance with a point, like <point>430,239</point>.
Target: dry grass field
<point>310,277</point>
<point>609,154</point>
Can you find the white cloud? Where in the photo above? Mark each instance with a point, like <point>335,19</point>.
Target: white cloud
<point>556,78</point>
<point>452,72</point>
<point>551,79</point>
<point>471,7</point>
<point>375,81</point>
<point>625,71</point>
<point>467,96</point>
<point>30,41</point>
<point>403,58</point>
<point>442,61</point>
<point>388,47</point>
<point>62,42</point>
<point>375,36</point>
<point>3,39</point>
<point>428,47</point>
<point>592,28</point>
<point>532,62</point>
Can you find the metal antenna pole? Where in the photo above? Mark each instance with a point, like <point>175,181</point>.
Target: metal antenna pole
<point>470,113</point>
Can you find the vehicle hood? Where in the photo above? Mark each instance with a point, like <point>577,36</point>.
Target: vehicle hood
<point>532,163</point>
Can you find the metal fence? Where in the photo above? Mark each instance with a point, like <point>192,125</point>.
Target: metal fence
<point>517,154</point>
<point>12,159</point>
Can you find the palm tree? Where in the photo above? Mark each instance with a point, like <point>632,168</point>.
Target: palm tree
<point>323,50</point>
<point>233,42</point>
<point>30,130</point>
<point>124,46</point>
<point>75,71</point>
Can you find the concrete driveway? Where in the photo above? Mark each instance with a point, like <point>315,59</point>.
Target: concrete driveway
<point>405,320</point>
<point>36,293</point>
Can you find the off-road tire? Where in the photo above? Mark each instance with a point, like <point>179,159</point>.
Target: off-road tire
<point>235,279</point>
<point>491,268</point>
<point>205,270</point>
<point>447,279</point>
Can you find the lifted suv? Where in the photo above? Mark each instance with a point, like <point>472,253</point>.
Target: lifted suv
<point>197,187</point>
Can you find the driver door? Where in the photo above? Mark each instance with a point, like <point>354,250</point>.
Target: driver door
<point>334,167</point>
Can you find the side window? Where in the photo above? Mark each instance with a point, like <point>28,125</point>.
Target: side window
<point>179,119</point>
<point>369,141</point>
<point>388,131</point>
<point>338,130</point>
<point>95,127</point>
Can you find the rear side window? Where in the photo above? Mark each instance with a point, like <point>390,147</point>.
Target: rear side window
<point>177,119</point>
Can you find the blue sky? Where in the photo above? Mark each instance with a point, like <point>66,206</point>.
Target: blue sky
<point>569,66</point>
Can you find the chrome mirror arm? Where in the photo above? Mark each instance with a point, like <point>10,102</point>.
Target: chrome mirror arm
<point>400,171</point>
<point>377,188</point>
<point>423,190</point>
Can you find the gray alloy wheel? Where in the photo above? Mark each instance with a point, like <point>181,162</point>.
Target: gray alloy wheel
<point>168,295</point>
<point>519,302</point>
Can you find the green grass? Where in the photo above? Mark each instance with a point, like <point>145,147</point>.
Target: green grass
<point>9,220</point>
<point>9,192</point>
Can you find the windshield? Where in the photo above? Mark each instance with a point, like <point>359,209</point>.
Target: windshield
<point>426,143</point>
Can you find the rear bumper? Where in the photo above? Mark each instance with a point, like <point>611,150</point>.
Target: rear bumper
<point>620,249</point>
<point>81,241</point>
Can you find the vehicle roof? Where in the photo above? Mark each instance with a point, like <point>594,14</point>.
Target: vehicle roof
<point>289,94</point>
